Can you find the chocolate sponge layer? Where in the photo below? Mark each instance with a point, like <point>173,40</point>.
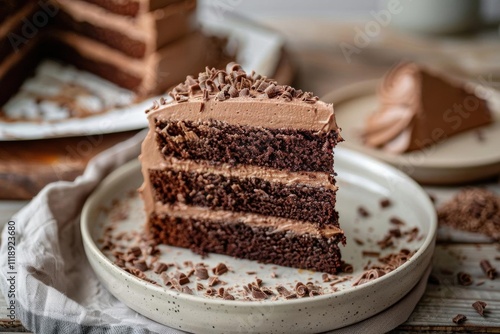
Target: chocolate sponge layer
<point>217,141</point>
<point>250,194</point>
<point>263,244</point>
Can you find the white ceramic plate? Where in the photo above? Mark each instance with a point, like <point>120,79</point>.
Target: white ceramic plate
<point>461,158</point>
<point>257,48</point>
<point>363,182</point>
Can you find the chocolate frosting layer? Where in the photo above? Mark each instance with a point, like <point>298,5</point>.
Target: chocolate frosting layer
<point>241,98</point>
<point>418,107</point>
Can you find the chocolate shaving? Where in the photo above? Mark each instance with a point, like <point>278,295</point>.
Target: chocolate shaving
<point>282,291</point>
<point>359,242</point>
<point>258,294</point>
<point>301,290</point>
<point>397,221</point>
<point>187,289</point>
<point>488,269</point>
<point>210,292</point>
<point>141,265</point>
<point>464,279</point>
<point>479,306</point>
<point>385,203</point>
<point>459,319</point>
<point>182,278</point>
<point>433,280</point>
<point>135,251</point>
<point>160,267</point>
<point>366,253</point>
<point>228,296</point>
<point>199,287</point>
<point>363,212</point>
<point>291,296</point>
<point>220,269</point>
<point>201,272</point>
<point>212,281</point>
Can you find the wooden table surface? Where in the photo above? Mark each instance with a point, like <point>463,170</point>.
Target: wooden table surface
<point>321,67</point>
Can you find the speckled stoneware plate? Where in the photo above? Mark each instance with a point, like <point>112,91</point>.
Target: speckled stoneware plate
<point>466,157</point>
<point>114,212</point>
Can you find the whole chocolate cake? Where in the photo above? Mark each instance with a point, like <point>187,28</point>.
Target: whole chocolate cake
<point>145,46</point>
<point>239,165</point>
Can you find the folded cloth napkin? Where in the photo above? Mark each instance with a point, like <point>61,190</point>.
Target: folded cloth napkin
<point>55,287</point>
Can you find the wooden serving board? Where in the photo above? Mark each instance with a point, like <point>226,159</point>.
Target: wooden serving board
<point>27,166</point>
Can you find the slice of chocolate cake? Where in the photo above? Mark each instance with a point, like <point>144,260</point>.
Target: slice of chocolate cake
<point>239,165</point>
<point>419,107</point>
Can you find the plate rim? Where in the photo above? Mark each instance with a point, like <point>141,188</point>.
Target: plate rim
<point>131,166</point>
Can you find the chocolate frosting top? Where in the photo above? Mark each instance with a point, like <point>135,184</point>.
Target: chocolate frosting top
<point>235,82</point>
<point>237,97</point>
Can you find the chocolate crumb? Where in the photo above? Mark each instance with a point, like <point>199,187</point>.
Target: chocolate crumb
<point>274,275</point>
<point>220,269</point>
<point>182,278</point>
<point>251,272</point>
<point>480,135</point>
<point>325,277</point>
<point>397,221</point>
<point>359,242</point>
<point>267,291</point>
<point>199,287</point>
<point>282,290</point>
<point>488,269</point>
<point>366,253</point>
<point>363,212</point>
<point>258,282</point>
<point>464,279</point>
<point>459,319</point>
<point>385,203</point>
<point>479,283</point>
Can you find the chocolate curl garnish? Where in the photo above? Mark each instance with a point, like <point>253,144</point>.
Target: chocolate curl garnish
<point>301,289</point>
<point>271,91</point>
<point>181,98</point>
<point>464,279</point>
<point>163,101</point>
<point>282,291</point>
<point>488,269</point>
<point>233,92</point>
<point>232,66</point>
<point>368,276</point>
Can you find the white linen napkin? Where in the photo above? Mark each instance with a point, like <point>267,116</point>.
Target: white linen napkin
<point>56,290</point>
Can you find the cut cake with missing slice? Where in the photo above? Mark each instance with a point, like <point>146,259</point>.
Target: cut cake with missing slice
<point>239,165</point>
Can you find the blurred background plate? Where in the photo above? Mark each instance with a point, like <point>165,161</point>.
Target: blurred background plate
<point>469,156</point>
